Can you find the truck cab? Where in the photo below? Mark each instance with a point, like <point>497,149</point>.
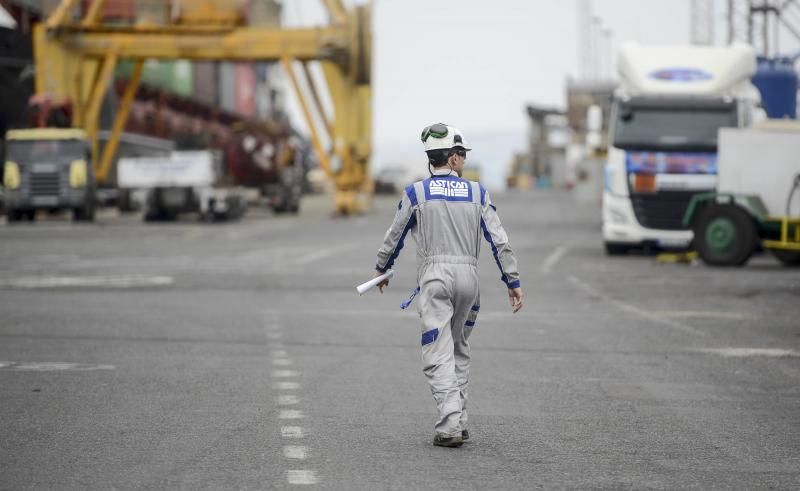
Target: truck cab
<point>48,169</point>
<point>670,104</point>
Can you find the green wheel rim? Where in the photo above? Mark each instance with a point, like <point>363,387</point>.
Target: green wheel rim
<point>721,234</point>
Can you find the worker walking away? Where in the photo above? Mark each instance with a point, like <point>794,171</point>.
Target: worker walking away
<point>447,215</point>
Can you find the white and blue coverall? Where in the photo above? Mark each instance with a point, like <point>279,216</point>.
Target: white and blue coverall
<point>447,215</point>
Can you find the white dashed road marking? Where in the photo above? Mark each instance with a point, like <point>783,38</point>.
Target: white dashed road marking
<point>291,414</point>
<point>288,400</point>
<point>301,477</point>
<point>297,452</point>
<point>553,258</point>
<point>291,432</point>
<point>285,373</point>
<point>120,281</point>
<point>751,352</point>
<point>633,309</point>
<point>49,366</point>
<point>280,358</point>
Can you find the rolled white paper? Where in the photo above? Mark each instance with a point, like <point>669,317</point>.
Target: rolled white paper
<point>365,287</point>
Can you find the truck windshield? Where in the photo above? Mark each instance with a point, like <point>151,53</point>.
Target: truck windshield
<point>28,150</point>
<point>670,128</point>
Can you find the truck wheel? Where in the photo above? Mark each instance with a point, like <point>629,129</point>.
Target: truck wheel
<point>13,215</point>
<point>616,249</point>
<point>725,235</point>
<point>83,214</point>
<point>788,258</point>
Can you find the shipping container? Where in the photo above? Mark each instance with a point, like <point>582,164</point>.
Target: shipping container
<point>245,89</point>
<point>265,13</point>
<point>116,10</point>
<point>153,12</point>
<point>227,86</point>
<point>210,11</point>
<point>204,81</point>
<point>173,76</point>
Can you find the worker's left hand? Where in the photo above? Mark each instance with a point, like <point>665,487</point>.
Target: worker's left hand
<point>515,298</point>
<point>383,283</point>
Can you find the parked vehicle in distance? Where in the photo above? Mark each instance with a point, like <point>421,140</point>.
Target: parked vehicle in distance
<point>391,180</point>
<point>48,169</point>
<point>757,203</point>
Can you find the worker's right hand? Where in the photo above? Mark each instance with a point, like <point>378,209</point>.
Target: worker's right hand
<point>515,298</point>
<point>383,283</point>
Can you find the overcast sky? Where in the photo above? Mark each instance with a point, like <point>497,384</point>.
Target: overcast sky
<point>475,64</point>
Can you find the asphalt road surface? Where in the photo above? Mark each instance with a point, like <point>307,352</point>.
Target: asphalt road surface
<point>239,356</point>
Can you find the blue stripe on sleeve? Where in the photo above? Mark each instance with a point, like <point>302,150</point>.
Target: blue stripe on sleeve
<point>409,225</point>
<point>483,195</point>
<point>412,195</point>
<point>488,238</point>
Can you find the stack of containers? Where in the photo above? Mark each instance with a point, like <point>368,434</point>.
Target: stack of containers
<point>269,80</point>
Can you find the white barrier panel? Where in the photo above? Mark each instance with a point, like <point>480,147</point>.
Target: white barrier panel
<point>180,169</point>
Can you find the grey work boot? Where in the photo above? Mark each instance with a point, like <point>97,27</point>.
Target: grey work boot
<point>447,441</point>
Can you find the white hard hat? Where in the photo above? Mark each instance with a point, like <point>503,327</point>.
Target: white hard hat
<point>440,136</point>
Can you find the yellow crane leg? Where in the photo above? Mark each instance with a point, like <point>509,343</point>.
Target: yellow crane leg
<point>324,161</point>
<point>336,11</point>
<point>352,129</point>
<point>99,87</point>
<point>123,109</point>
<point>60,14</point>
<point>94,15</point>
<point>318,102</point>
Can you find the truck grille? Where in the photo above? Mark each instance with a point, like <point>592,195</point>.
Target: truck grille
<point>662,210</point>
<point>45,184</point>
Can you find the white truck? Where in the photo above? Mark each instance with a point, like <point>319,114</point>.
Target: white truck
<point>182,182</point>
<point>667,110</point>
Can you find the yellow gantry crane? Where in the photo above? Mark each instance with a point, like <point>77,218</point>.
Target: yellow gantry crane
<point>76,58</point>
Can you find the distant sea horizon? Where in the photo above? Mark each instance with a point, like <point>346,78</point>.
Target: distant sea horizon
<point>492,152</point>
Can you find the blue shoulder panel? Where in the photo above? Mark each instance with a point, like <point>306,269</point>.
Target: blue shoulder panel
<point>412,194</point>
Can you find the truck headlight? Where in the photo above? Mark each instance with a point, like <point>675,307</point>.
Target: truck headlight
<point>617,217</point>
<point>77,174</point>
<point>11,175</point>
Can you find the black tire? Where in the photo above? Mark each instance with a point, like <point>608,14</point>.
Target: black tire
<point>29,215</point>
<point>13,216</point>
<point>616,249</point>
<point>788,258</point>
<point>291,189</point>
<point>725,235</point>
<point>84,213</point>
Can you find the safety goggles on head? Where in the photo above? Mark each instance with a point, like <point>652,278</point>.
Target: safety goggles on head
<point>460,152</point>
<point>437,130</point>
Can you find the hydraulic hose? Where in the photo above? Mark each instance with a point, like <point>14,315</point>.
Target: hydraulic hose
<point>795,185</point>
